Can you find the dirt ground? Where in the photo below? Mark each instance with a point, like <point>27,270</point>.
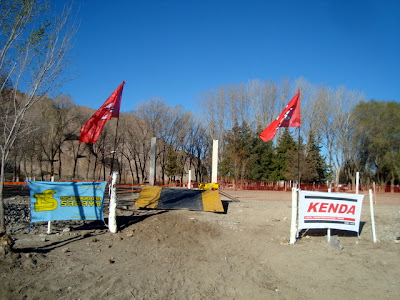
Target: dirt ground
<point>241,254</point>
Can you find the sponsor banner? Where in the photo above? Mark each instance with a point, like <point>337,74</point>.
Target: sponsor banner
<point>329,210</point>
<point>56,201</point>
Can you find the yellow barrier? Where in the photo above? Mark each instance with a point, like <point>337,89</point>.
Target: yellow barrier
<point>208,186</point>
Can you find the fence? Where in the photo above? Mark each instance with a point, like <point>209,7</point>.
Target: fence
<point>230,184</point>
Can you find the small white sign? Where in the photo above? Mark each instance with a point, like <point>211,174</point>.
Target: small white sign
<point>329,210</point>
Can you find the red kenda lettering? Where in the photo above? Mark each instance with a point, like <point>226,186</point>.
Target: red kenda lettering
<point>352,210</point>
<point>322,207</point>
<point>342,209</point>
<point>312,207</point>
<point>331,208</point>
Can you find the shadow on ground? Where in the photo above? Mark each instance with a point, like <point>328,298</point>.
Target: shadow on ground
<point>323,232</point>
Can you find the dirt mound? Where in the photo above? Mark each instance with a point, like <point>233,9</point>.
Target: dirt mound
<point>173,229</point>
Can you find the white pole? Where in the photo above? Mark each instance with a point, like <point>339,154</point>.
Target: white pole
<point>214,169</point>
<point>357,182</point>
<point>112,207</point>
<point>328,231</point>
<point>48,227</point>
<point>371,207</point>
<point>49,222</point>
<point>293,226</point>
<point>189,185</point>
<point>152,161</point>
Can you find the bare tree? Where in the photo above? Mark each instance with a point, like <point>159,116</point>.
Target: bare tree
<point>266,104</point>
<point>60,126</point>
<point>33,54</point>
<point>73,145</point>
<point>223,108</point>
<point>337,122</point>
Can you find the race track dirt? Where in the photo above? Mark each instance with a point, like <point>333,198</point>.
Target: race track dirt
<point>179,254</point>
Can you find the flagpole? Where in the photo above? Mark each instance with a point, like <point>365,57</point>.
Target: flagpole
<point>298,158</point>
<point>115,146</point>
<point>298,150</point>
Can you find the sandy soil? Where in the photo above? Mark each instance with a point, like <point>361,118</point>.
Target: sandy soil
<point>243,254</point>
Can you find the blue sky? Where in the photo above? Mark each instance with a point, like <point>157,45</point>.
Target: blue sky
<point>179,49</point>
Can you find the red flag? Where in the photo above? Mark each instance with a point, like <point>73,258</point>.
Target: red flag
<point>290,117</point>
<point>90,132</point>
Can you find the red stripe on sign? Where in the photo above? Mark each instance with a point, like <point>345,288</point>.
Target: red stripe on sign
<point>328,218</point>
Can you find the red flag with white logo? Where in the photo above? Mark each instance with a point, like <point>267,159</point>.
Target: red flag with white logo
<point>290,117</point>
<point>91,131</point>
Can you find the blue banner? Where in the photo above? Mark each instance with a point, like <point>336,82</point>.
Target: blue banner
<point>56,201</point>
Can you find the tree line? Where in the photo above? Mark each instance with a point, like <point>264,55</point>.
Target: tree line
<point>341,133</point>
<point>51,147</point>
<point>48,145</point>
<point>370,145</point>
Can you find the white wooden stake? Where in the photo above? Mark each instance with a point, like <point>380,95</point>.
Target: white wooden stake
<point>357,182</point>
<point>152,175</point>
<point>328,231</point>
<point>112,207</point>
<point>214,168</point>
<point>371,207</point>
<point>293,226</point>
<point>49,222</point>
<point>48,227</point>
<point>189,185</point>
<point>374,187</point>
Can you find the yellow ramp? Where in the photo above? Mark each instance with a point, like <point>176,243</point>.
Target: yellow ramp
<point>212,201</point>
<point>149,197</point>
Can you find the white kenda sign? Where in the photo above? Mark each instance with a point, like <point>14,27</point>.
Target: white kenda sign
<point>329,210</point>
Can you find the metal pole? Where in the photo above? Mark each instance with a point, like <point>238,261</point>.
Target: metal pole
<point>298,159</point>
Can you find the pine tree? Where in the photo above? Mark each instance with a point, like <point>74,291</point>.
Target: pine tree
<point>307,161</point>
<point>236,156</point>
<point>319,168</point>
<point>262,156</point>
<point>172,167</point>
<point>284,153</point>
